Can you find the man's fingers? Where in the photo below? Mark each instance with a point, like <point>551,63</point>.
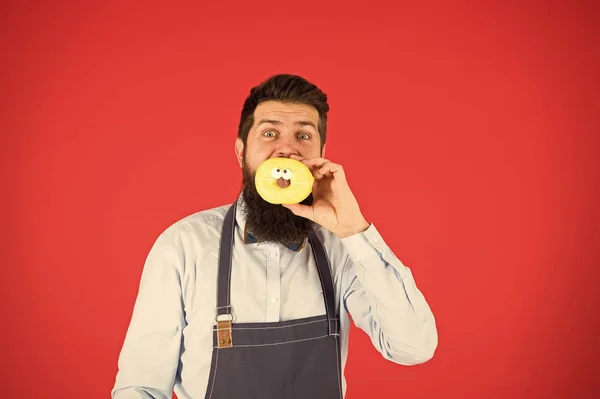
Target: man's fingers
<point>333,170</point>
<point>321,167</point>
<point>330,168</point>
<point>311,162</point>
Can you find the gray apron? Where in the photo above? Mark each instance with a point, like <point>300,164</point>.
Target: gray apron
<point>292,359</point>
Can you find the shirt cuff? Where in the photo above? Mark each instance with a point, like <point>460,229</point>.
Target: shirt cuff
<point>365,244</point>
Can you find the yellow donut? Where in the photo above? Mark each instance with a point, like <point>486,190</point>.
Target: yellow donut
<point>284,170</point>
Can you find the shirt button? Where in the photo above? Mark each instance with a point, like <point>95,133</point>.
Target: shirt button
<point>273,254</point>
<point>273,300</point>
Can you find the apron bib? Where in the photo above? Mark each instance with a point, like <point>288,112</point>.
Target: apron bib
<point>297,359</point>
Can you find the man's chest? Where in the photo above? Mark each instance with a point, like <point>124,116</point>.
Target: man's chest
<point>266,285</point>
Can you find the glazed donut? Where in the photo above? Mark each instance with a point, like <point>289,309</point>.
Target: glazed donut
<point>283,181</point>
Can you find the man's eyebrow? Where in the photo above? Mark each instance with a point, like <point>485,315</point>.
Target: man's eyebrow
<point>297,123</point>
<point>271,121</point>
<point>306,123</point>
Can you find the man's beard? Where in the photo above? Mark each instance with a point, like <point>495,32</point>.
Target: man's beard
<point>271,222</point>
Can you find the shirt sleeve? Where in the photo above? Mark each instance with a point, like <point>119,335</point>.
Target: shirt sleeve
<point>383,300</point>
<point>149,357</point>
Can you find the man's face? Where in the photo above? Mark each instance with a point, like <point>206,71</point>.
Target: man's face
<point>279,130</point>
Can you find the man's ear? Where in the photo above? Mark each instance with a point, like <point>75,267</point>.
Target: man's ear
<point>239,150</point>
<point>323,151</point>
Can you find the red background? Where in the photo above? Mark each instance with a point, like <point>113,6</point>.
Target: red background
<point>119,119</point>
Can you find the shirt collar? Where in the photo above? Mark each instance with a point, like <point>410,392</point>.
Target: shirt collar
<point>248,238</point>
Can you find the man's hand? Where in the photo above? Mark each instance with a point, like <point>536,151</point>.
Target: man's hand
<point>334,206</point>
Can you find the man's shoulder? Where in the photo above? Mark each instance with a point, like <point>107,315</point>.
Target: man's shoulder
<point>205,224</point>
<point>205,216</point>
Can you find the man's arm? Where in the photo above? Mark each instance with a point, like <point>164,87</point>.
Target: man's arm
<point>381,296</point>
<point>150,354</point>
<point>379,291</point>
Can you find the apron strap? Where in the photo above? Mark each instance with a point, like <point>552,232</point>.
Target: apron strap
<point>326,281</point>
<point>224,311</point>
<point>225,258</point>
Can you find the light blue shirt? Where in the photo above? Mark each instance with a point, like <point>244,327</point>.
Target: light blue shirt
<point>169,342</point>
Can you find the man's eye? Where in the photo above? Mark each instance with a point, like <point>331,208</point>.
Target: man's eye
<point>269,133</point>
<point>304,136</point>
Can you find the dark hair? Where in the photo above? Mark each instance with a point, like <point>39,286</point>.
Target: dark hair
<point>285,88</point>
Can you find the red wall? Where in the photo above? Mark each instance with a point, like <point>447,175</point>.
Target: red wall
<point>117,120</point>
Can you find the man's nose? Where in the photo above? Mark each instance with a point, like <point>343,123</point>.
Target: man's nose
<point>285,148</point>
